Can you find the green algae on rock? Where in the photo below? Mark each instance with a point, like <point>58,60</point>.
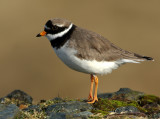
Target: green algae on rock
<point>124,103</point>
<point>105,106</point>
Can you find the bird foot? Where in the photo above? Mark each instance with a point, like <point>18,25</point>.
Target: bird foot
<point>93,101</point>
<point>90,98</point>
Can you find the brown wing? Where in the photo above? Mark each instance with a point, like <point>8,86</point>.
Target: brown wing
<point>90,45</point>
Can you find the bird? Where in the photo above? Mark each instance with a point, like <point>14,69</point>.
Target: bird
<point>86,51</point>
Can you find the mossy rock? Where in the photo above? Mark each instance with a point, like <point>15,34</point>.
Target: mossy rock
<point>148,99</point>
<point>150,103</point>
<point>105,106</point>
<point>123,94</point>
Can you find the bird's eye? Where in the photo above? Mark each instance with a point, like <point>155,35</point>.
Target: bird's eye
<point>55,27</point>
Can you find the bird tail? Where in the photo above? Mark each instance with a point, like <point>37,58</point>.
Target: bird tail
<point>143,57</point>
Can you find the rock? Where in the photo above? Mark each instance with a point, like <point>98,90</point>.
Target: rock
<point>124,103</point>
<point>150,103</point>
<point>128,112</point>
<point>149,100</point>
<point>105,95</point>
<point>2,100</point>
<point>31,108</point>
<point>57,116</point>
<point>125,116</point>
<point>58,100</point>
<point>8,111</point>
<point>21,96</point>
<point>72,109</point>
<point>123,94</point>
<point>124,91</point>
<point>127,109</point>
<point>62,115</point>
<point>156,116</point>
<point>84,114</point>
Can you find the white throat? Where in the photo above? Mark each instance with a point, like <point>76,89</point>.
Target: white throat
<point>54,36</point>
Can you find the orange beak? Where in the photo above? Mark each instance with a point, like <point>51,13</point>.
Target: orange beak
<point>43,33</point>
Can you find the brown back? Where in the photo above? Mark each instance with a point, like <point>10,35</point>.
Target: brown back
<point>90,45</point>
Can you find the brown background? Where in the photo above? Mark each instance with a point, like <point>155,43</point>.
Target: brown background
<point>29,63</point>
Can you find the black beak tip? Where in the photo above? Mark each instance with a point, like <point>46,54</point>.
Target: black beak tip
<point>38,35</point>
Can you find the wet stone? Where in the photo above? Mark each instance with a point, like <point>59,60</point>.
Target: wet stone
<point>20,96</point>
<point>156,116</point>
<point>8,111</point>
<point>72,109</point>
<point>122,94</point>
<point>32,108</point>
<point>57,116</point>
<point>127,109</point>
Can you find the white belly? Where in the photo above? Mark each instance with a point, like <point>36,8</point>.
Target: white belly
<point>67,55</point>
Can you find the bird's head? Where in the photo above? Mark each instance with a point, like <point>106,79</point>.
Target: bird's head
<point>55,28</point>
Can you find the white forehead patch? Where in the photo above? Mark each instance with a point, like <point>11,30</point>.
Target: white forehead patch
<point>54,36</point>
<point>60,25</point>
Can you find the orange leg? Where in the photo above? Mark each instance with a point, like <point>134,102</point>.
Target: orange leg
<point>90,97</point>
<point>95,91</point>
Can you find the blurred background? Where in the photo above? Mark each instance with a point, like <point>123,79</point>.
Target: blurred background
<point>28,63</point>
